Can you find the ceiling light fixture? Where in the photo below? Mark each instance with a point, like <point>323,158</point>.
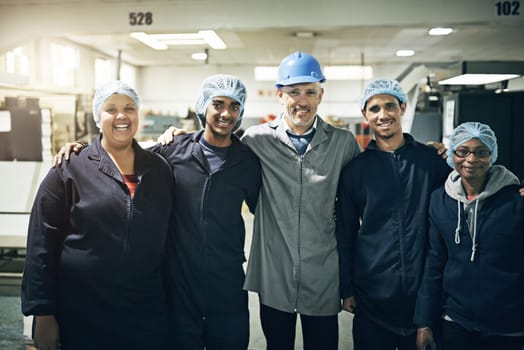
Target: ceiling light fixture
<point>440,31</point>
<point>149,41</point>
<point>485,72</point>
<point>305,35</point>
<point>181,39</point>
<point>404,53</point>
<point>212,39</point>
<point>477,79</point>
<point>162,41</point>
<point>199,56</point>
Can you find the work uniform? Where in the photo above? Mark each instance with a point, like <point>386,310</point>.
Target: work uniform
<point>207,299</point>
<point>293,264</point>
<point>95,254</point>
<point>474,274</point>
<point>382,207</point>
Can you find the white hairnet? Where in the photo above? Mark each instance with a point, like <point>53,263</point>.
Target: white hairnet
<point>107,89</point>
<point>470,130</point>
<point>220,85</point>
<point>383,86</point>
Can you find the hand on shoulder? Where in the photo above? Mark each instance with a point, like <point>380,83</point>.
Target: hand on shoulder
<point>65,152</point>
<point>169,135</point>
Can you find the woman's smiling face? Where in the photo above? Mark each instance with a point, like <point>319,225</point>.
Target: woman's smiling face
<point>473,159</point>
<point>118,120</point>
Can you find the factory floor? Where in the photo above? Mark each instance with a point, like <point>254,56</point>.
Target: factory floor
<point>15,330</point>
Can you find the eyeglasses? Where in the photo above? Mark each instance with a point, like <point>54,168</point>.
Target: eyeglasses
<point>479,153</point>
<point>295,91</point>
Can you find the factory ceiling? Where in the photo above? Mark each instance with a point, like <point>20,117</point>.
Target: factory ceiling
<point>263,32</point>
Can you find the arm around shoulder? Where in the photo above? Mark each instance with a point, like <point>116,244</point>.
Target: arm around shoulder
<point>65,152</point>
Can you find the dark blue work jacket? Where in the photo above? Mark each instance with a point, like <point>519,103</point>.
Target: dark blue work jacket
<point>486,294</point>
<point>208,250</point>
<point>382,257</point>
<point>94,254</point>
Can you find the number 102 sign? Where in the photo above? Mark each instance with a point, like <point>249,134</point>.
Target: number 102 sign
<point>507,8</point>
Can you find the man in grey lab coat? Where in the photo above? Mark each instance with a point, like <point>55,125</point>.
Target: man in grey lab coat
<point>293,265</point>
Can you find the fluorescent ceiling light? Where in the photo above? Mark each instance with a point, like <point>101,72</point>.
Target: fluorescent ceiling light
<point>212,39</point>
<point>266,73</point>
<point>304,34</point>
<point>440,31</point>
<point>149,41</point>
<point>162,41</point>
<point>484,72</point>
<point>199,56</point>
<point>477,79</point>
<point>349,72</point>
<point>405,53</point>
<point>177,37</point>
<point>180,39</point>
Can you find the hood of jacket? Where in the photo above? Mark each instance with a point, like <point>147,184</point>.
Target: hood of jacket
<point>498,178</point>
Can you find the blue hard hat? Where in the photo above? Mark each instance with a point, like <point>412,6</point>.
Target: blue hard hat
<point>299,67</point>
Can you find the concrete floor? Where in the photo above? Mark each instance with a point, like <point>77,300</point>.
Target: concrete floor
<point>257,341</point>
<point>19,328</point>
<point>16,340</point>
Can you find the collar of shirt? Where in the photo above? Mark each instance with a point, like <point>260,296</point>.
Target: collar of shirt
<point>288,129</point>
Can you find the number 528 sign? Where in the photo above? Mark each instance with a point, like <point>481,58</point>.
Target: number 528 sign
<point>140,18</point>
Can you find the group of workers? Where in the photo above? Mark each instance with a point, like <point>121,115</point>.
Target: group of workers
<point>144,249</point>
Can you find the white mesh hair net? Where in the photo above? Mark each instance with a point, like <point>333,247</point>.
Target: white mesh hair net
<point>383,86</point>
<point>107,89</point>
<point>220,85</point>
<point>469,130</point>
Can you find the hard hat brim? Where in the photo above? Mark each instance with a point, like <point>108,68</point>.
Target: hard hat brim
<point>299,80</point>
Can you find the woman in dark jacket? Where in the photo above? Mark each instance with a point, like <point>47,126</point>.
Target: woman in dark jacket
<point>97,237</point>
<point>474,276</point>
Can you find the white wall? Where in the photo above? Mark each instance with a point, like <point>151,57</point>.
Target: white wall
<point>174,89</point>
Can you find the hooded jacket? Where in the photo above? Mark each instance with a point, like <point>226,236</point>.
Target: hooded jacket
<point>382,205</point>
<point>475,267</point>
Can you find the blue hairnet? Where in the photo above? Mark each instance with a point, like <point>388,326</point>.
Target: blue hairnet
<point>470,130</point>
<point>383,86</point>
<point>107,89</point>
<point>220,85</point>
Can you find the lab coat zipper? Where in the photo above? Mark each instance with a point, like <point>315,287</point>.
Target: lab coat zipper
<point>298,266</point>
